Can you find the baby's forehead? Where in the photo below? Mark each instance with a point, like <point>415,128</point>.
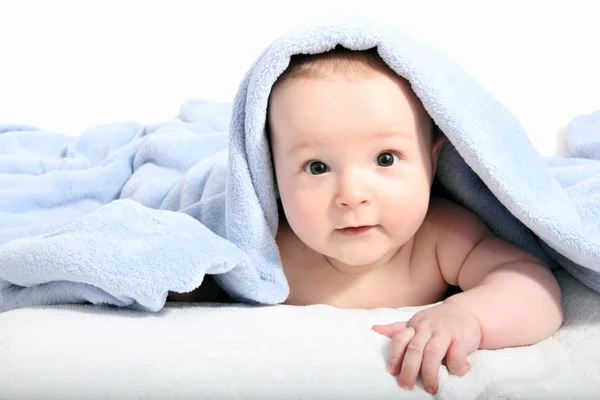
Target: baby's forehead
<point>340,64</point>
<point>289,89</point>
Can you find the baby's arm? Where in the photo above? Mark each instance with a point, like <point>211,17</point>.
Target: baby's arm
<point>510,298</point>
<point>512,294</point>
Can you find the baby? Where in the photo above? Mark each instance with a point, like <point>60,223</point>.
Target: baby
<point>355,154</point>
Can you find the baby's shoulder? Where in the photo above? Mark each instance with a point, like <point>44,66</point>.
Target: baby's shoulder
<point>446,217</point>
<point>285,236</point>
<point>289,245</point>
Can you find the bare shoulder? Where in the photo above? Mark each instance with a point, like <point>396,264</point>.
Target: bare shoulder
<point>466,247</point>
<point>443,212</point>
<point>456,231</point>
<point>290,246</point>
<point>299,265</point>
<point>448,223</point>
<point>286,239</point>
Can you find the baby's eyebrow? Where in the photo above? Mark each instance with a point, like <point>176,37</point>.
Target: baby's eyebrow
<point>392,134</point>
<point>299,146</point>
<point>303,143</point>
<point>306,145</point>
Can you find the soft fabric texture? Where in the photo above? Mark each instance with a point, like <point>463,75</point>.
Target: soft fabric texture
<point>241,352</point>
<point>124,213</point>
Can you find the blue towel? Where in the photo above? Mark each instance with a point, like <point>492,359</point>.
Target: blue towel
<point>125,213</point>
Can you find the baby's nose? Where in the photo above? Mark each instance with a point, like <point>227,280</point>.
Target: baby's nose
<point>353,192</point>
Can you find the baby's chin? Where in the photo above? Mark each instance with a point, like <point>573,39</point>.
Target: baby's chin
<point>360,263</point>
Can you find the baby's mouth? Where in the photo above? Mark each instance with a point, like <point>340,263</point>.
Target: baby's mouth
<point>355,230</point>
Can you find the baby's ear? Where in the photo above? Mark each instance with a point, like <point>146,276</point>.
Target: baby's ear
<point>436,147</point>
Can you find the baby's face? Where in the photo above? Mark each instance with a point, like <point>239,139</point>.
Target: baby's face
<point>353,165</point>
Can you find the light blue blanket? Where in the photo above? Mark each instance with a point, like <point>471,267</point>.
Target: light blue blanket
<point>125,213</point>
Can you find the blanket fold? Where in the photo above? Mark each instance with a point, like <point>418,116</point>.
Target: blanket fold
<point>125,213</point>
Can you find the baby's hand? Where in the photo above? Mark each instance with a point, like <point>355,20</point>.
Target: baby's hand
<point>422,343</point>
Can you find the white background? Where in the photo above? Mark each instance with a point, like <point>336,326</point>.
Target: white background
<point>67,65</point>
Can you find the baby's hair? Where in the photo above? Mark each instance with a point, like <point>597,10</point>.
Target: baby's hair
<point>340,60</point>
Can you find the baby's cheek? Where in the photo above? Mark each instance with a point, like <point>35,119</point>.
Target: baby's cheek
<point>304,216</point>
<point>305,220</point>
<point>407,210</point>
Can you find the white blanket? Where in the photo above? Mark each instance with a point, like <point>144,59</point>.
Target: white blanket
<point>194,351</point>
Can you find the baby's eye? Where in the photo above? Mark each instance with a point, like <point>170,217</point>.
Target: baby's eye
<point>386,159</point>
<point>315,168</point>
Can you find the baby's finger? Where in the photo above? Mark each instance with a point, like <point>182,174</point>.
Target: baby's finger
<point>433,354</point>
<point>456,359</point>
<point>399,343</point>
<point>413,356</point>
<point>389,330</point>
